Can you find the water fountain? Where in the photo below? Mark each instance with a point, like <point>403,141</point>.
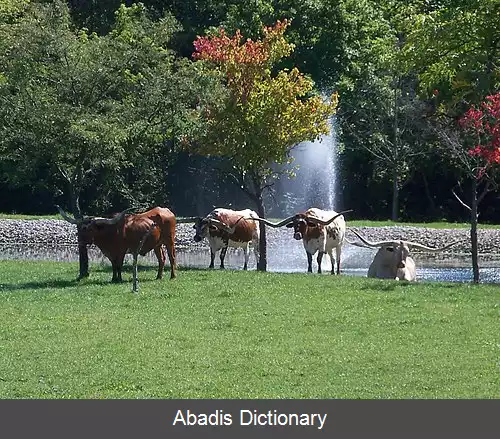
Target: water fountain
<point>314,184</point>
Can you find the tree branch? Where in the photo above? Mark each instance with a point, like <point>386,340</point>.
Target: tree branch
<point>460,201</point>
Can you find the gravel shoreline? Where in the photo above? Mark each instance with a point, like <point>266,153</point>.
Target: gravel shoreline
<point>60,232</point>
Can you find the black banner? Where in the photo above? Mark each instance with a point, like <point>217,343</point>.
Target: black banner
<point>249,418</point>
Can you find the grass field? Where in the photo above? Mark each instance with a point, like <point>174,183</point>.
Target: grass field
<point>235,334</point>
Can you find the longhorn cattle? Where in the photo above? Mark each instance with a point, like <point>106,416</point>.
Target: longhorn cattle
<point>320,230</point>
<point>393,260</point>
<point>228,228</point>
<point>130,233</point>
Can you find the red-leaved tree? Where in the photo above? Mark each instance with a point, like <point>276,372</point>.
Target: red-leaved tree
<point>481,128</point>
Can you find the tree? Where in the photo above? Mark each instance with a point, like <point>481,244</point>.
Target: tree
<point>87,106</point>
<point>379,109</point>
<point>265,114</point>
<point>480,156</point>
<point>457,70</point>
<point>463,66</point>
<point>94,108</point>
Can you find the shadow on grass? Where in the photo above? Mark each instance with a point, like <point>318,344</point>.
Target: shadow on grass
<point>49,284</point>
<point>385,286</point>
<point>98,280</point>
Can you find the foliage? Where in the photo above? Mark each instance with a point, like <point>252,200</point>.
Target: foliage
<point>10,9</point>
<point>483,125</point>
<point>93,108</point>
<point>376,54</point>
<point>461,65</point>
<point>265,115</point>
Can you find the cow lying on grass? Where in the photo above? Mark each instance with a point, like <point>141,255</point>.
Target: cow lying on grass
<point>393,259</point>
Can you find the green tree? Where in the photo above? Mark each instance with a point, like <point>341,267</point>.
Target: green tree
<point>458,69</point>
<point>87,106</point>
<point>454,47</point>
<point>265,115</point>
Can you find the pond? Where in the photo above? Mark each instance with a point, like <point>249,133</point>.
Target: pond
<point>287,258</point>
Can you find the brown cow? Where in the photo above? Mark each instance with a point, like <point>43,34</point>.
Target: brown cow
<point>318,234</point>
<point>228,228</point>
<point>133,233</point>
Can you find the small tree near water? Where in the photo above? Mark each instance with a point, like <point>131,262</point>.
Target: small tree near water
<point>479,156</point>
<point>264,116</point>
<point>482,128</point>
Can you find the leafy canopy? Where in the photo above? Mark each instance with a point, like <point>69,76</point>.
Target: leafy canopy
<point>454,47</point>
<point>483,127</point>
<point>265,114</point>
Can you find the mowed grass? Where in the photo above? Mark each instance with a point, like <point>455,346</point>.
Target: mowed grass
<point>235,334</point>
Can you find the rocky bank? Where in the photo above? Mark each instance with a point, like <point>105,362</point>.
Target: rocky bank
<point>57,232</point>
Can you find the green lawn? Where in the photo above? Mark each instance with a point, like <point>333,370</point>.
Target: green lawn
<point>235,334</point>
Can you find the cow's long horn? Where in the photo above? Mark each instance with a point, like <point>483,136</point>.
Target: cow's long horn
<point>115,220</point>
<point>325,223</point>
<point>357,244</point>
<point>269,223</point>
<point>431,249</point>
<point>67,217</point>
<point>409,243</point>
<point>370,243</point>
<point>224,226</point>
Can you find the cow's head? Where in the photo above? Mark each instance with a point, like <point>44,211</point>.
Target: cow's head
<point>399,251</point>
<point>211,226</point>
<point>201,229</point>
<point>91,227</point>
<point>301,223</point>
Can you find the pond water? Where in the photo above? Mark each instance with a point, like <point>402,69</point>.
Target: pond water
<point>290,258</point>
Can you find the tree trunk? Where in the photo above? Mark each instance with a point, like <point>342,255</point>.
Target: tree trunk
<point>473,232</point>
<point>395,196</point>
<point>262,264</point>
<point>83,255</point>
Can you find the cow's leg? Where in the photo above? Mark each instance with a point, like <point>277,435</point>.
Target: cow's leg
<point>246,252</point>
<point>160,255</point>
<point>319,259</point>
<point>171,259</point>
<point>332,260</point>
<point>222,256</point>
<point>117,265</point>
<point>134,273</point>
<point>212,259</point>
<point>338,251</point>
<point>256,251</point>
<point>115,272</point>
<point>309,262</point>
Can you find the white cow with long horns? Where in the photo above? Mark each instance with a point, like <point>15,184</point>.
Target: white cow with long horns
<point>393,259</point>
<point>321,231</point>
